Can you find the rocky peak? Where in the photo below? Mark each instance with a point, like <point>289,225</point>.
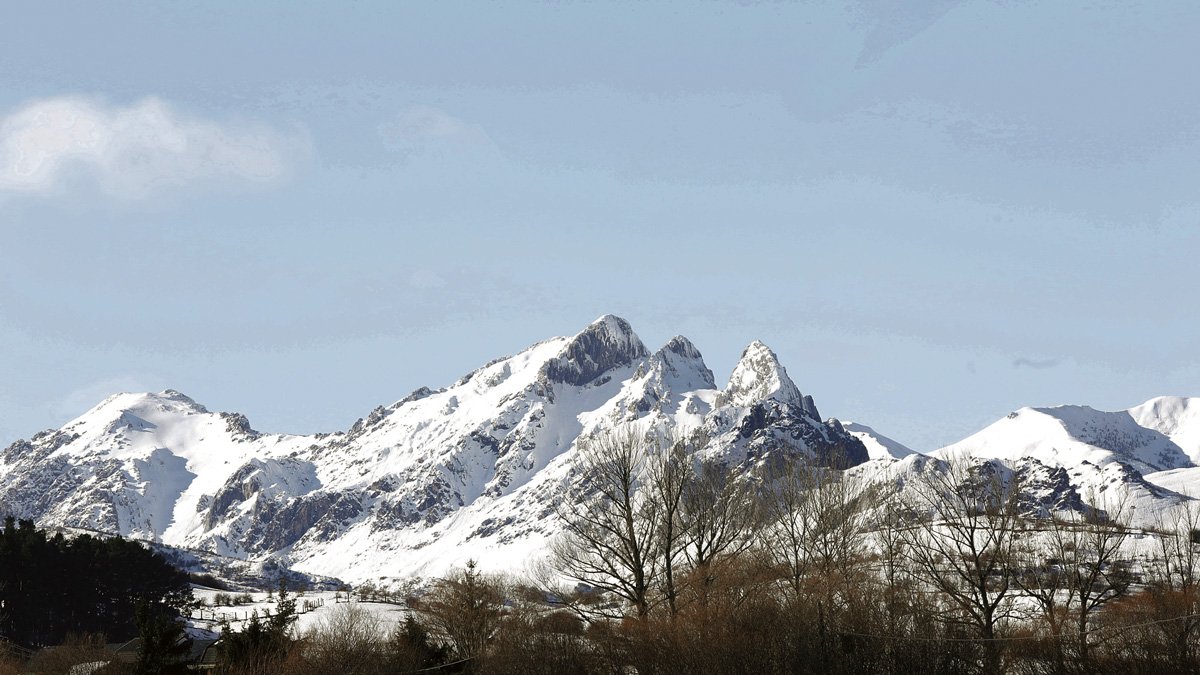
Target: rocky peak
<point>759,376</point>
<point>608,342</point>
<point>238,426</point>
<point>681,357</point>
<point>681,346</point>
<point>810,408</point>
<point>168,399</point>
<point>178,397</point>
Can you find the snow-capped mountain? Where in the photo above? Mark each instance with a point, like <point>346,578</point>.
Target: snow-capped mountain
<point>1143,459</point>
<point>470,470</point>
<point>1071,455</point>
<point>475,469</point>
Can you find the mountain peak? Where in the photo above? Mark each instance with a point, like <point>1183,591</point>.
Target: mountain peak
<point>608,342</point>
<point>611,324</point>
<point>757,376</point>
<point>177,397</point>
<point>119,404</point>
<point>681,356</point>
<point>681,346</point>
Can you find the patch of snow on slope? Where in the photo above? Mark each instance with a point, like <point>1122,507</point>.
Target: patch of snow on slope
<point>1176,417</point>
<point>878,445</point>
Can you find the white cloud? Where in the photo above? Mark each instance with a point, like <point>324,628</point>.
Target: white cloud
<point>135,151</point>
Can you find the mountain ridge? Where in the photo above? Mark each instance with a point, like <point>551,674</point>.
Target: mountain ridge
<point>469,469</point>
<point>475,468</point>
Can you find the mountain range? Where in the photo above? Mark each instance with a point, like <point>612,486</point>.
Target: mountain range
<point>475,469</point>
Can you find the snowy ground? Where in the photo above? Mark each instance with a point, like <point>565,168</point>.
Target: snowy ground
<point>313,606</point>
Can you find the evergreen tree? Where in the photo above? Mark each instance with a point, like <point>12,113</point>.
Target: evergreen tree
<point>53,586</point>
<point>164,646</point>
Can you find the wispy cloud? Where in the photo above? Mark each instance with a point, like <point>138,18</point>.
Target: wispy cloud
<point>136,151</point>
<point>424,128</point>
<point>1036,364</point>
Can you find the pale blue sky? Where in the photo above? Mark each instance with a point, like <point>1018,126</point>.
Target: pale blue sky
<point>934,212</point>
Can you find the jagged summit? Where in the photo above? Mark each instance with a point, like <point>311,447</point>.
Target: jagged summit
<point>679,355</point>
<point>607,343</point>
<point>475,468</point>
<point>758,376</point>
<point>683,347</point>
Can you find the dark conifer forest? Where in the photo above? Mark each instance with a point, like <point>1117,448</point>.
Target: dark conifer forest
<point>52,586</point>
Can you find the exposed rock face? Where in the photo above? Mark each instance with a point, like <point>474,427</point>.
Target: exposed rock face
<point>240,487</point>
<point>771,424</point>
<point>605,345</point>
<point>809,406</point>
<point>280,523</point>
<point>680,354</point>
<point>239,427</point>
<point>476,469</point>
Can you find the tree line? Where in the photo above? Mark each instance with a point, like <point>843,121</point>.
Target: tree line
<point>54,586</point>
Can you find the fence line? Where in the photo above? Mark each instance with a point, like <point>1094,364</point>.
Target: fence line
<point>214,616</point>
<point>13,649</point>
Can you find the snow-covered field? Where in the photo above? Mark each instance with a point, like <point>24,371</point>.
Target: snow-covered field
<point>313,607</point>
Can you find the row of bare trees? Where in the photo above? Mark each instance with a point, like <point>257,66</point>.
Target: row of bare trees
<point>953,565</point>
<point>643,512</point>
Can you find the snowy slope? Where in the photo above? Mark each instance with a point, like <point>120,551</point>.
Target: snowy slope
<point>1073,455</point>
<point>1175,417</point>
<point>137,464</point>
<point>878,446</point>
<point>1070,435</point>
<point>470,470</point>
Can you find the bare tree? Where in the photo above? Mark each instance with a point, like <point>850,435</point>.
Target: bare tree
<point>904,610</point>
<point>670,472</point>
<point>814,535</point>
<point>1174,580</point>
<point>1179,557</point>
<point>1073,567</point>
<point>814,525</point>
<point>720,512</point>
<point>612,532</point>
<point>962,543</point>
